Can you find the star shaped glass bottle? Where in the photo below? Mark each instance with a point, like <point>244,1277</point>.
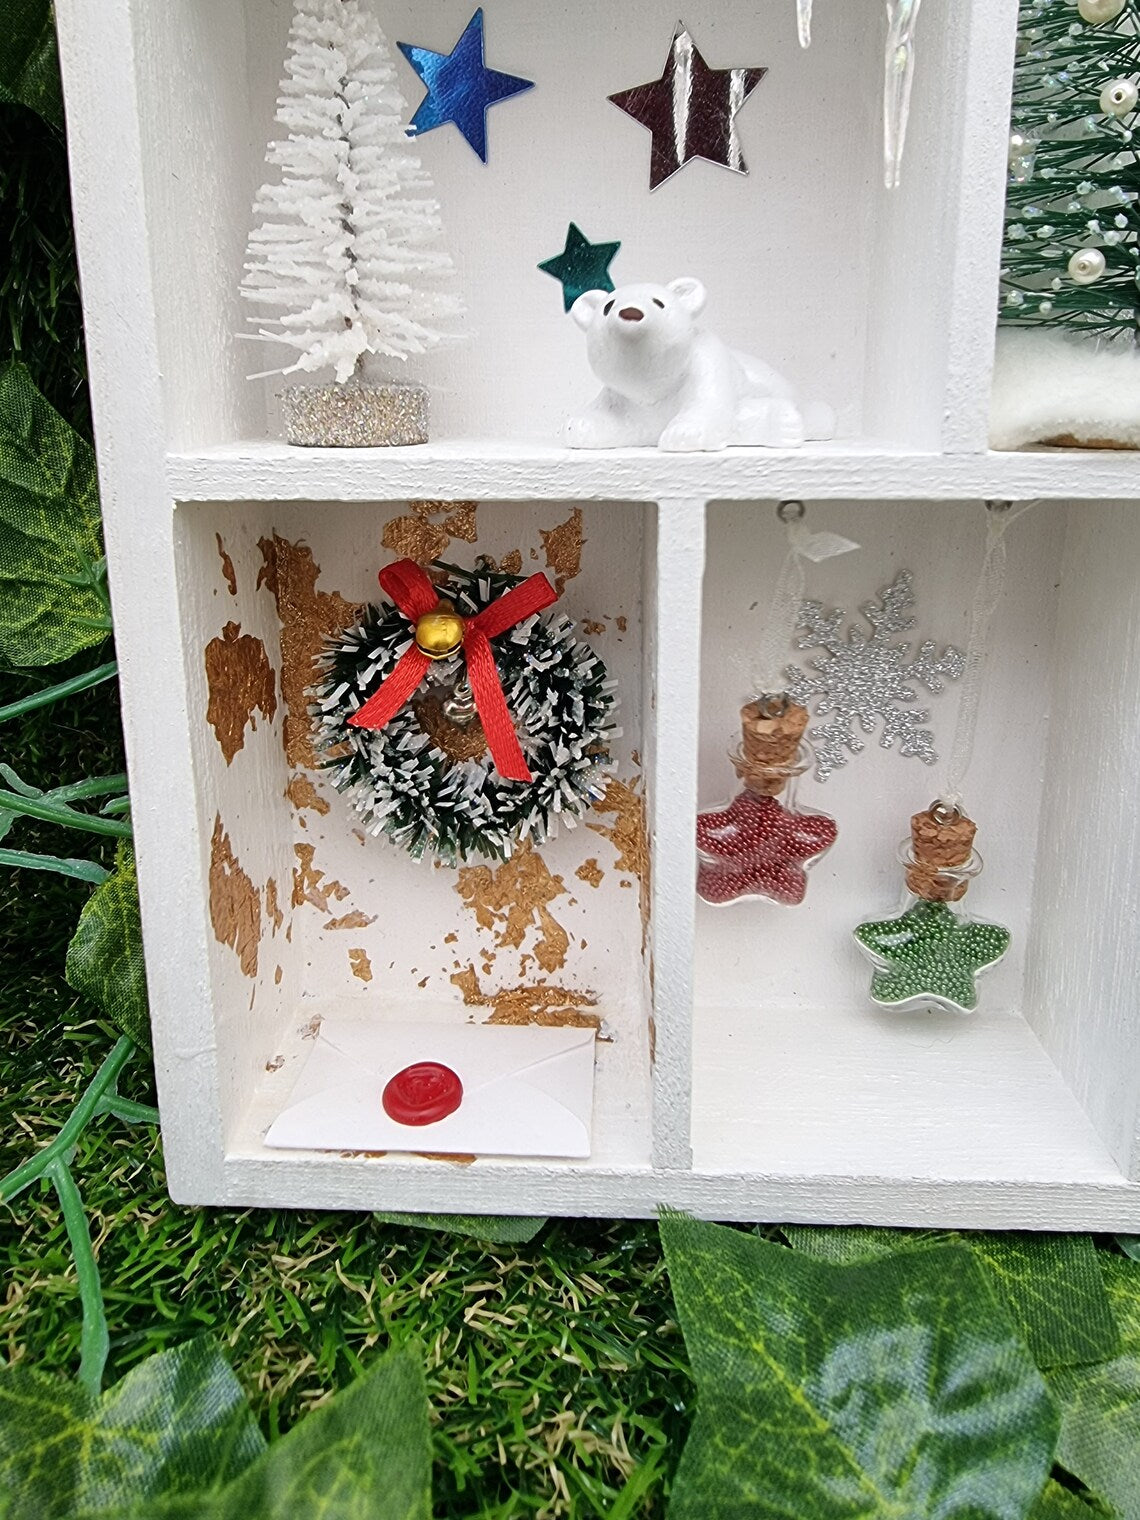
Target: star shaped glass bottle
<point>760,844</point>
<point>930,956</point>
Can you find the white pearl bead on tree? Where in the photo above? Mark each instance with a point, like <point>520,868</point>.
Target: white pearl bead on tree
<point>1118,97</point>
<point>1086,265</point>
<point>1096,11</point>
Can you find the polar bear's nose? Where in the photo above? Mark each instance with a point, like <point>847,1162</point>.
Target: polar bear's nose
<point>631,314</point>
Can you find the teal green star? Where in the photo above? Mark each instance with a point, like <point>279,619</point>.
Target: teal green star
<point>581,266</point>
<point>930,956</point>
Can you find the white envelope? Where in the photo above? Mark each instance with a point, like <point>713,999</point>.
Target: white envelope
<point>527,1091</point>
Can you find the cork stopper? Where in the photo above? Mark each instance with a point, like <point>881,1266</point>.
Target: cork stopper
<point>941,839</point>
<point>770,731</point>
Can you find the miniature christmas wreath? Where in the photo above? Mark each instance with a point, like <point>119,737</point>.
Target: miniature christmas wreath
<point>431,728</point>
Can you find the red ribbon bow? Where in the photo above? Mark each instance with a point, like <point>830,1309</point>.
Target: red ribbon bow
<point>415,596</point>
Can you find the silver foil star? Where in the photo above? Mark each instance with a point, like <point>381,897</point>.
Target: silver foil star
<point>864,680</point>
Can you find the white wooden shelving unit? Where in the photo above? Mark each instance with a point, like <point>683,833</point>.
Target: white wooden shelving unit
<point>746,1076</point>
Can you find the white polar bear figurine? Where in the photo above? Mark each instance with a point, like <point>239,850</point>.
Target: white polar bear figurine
<point>668,383</point>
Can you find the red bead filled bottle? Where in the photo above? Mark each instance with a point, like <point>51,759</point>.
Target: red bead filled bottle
<point>761,844</point>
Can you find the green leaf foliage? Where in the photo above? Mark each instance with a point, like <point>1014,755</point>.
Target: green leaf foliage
<point>51,602</point>
<point>176,1438</point>
<point>1100,1428</point>
<point>496,1229</point>
<point>1121,1277</point>
<point>177,1423</point>
<point>365,1455</point>
<point>1052,1283</point>
<point>105,957</point>
<point>83,870</point>
<point>40,316</point>
<point>29,64</point>
<point>1057,1503</point>
<point>1100,1406</point>
<point>898,1387</point>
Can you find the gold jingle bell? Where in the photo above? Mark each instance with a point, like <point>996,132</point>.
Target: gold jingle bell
<point>439,633</point>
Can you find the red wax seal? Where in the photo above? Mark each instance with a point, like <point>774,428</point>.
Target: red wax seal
<point>422,1094</point>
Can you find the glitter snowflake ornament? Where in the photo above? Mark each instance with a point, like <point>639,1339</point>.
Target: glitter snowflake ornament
<point>867,681</point>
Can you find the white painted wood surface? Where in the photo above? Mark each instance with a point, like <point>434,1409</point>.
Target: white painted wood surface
<point>910,245</point>
<point>975,221</point>
<point>673,820</point>
<point>1083,985</point>
<point>805,1103</point>
<point>244,1013</point>
<point>106,125</point>
<point>499,471</point>
<point>819,1093</point>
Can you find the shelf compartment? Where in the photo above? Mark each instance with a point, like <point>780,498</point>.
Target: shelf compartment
<point>818,1092</point>
<point>307,911</point>
<point>621,1083</point>
<point>794,1070</point>
<point>875,269</point>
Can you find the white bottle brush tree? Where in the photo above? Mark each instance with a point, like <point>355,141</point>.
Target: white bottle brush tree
<point>347,243</point>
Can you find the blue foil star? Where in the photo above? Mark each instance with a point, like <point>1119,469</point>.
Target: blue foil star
<point>581,266</point>
<point>460,87</point>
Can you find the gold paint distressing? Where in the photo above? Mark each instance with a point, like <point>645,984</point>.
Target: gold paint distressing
<point>553,1007</point>
<point>629,836</point>
<point>235,903</point>
<point>308,617</point>
<point>240,681</point>
<point>514,899</point>
<point>563,546</point>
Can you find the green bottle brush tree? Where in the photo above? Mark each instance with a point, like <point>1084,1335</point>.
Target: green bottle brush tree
<point>1067,369</point>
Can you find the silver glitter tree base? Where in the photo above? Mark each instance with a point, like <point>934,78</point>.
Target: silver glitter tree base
<point>354,416</point>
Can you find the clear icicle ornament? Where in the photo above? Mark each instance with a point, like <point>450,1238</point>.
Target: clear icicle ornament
<point>803,22</point>
<point>898,76</point>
